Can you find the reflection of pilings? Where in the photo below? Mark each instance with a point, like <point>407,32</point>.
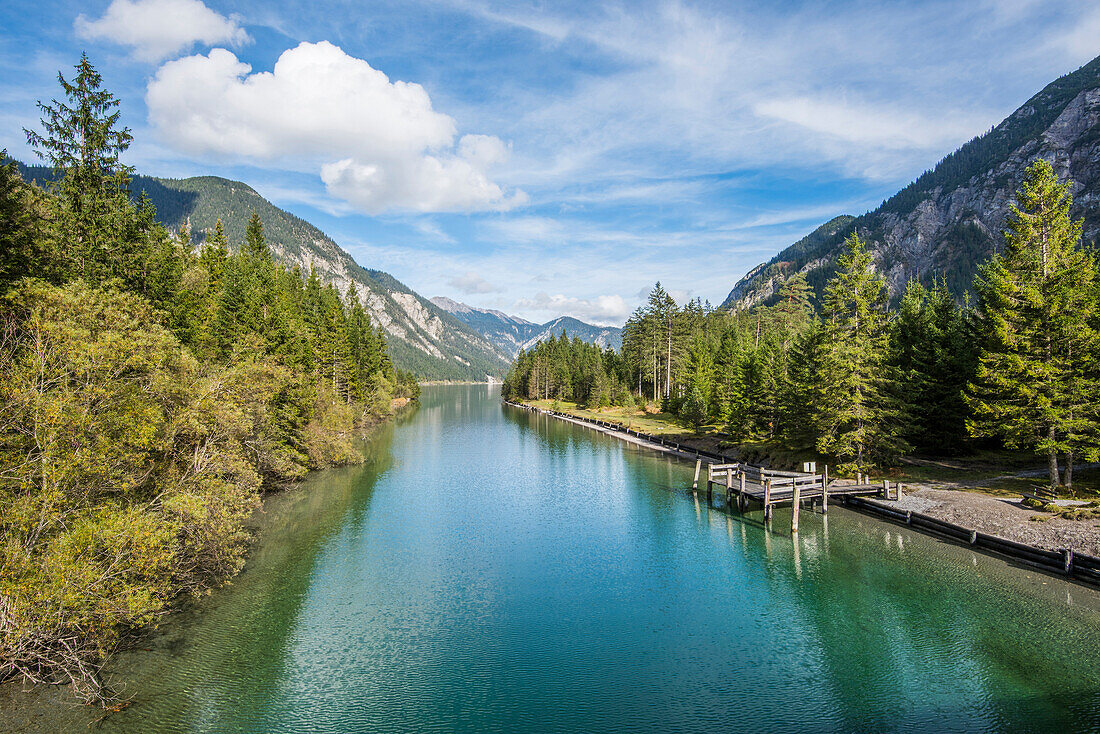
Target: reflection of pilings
<point>767,539</point>
<point>797,556</point>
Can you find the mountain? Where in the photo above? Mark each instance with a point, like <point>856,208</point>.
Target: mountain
<point>510,334</point>
<point>604,336</point>
<point>422,338</point>
<point>950,219</point>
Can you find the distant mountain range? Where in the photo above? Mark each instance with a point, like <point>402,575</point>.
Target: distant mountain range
<point>950,219</point>
<point>422,337</point>
<point>510,334</point>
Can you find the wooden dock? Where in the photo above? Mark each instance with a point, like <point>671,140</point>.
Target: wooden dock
<point>744,483</point>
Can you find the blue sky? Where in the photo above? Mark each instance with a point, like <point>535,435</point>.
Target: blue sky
<point>551,158</point>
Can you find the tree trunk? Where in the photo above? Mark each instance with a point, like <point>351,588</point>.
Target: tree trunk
<point>668,363</point>
<point>1053,460</point>
<point>1069,469</point>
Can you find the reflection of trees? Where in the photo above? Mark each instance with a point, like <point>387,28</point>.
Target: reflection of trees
<point>887,629</point>
<point>218,661</point>
<point>911,637</point>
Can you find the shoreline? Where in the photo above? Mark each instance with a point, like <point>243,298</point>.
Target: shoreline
<point>14,688</point>
<point>1063,562</point>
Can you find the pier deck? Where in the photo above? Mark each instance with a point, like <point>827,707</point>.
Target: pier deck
<point>744,483</point>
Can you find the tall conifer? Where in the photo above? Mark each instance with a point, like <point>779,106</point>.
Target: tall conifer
<point>1035,386</point>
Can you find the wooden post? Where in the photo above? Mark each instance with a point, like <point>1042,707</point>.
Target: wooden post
<point>710,488</point>
<point>767,499</point>
<point>885,489</point>
<point>729,487</point>
<point>695,481</point>
<point>796,503</point>
<point>825,492</point>
<point>1068,563</point>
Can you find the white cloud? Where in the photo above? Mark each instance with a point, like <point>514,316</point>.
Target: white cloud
<point>471,283</point>
<point>380,145</point>
<point>867,124</point>
<point>157,29</point>
<point>609,310</point>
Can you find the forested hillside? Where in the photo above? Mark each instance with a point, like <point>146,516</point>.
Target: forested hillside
<point>948,221</point>
<point>423,338</point>
<point>148,392</point>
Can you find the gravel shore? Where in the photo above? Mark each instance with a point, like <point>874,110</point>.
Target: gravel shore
<point>1004,517</point>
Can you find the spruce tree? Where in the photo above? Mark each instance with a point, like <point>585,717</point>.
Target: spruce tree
<point>82,140</point>
<point>1035,385</point>
<point>21,250</point>
<point>860,412</point>
<point>215,253</point>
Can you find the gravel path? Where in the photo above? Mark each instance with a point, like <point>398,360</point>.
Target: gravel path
<point>1004,517</point>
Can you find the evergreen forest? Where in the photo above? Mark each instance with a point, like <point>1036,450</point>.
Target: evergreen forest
<point>855,382</point>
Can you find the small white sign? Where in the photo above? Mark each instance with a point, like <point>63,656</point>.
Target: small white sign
<point>809,467</point>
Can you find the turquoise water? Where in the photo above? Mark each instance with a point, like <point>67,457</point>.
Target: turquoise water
<point>493,570</point>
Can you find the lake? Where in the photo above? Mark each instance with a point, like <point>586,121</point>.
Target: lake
<point>492,569</point>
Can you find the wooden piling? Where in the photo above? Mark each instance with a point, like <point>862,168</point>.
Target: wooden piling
<point>885,489</point>
<point>695,481</point>
<point>767,499</point>
<point>825,491</point>
<point>795,503</point>
<point>729,488</point>
<point>1068,562</point>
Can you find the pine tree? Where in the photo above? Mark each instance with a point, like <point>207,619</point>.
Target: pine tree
<point>728,385</point>
<point>1035,386</point>
<point>805,391</point>
<point>947,363</point>
<point>21,251</point>
<point>255,244</point>
<point>81,139</point>
<point>860,414</point>
<point>215,253</point>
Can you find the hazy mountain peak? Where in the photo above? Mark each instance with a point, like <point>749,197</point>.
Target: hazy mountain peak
<point>510,334</point>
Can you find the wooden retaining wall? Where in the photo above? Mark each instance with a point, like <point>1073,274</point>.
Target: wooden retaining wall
<point>1077,566</point>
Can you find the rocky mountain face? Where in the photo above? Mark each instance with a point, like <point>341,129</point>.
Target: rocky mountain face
<point>510,334</point>
<point>950,219</point>
<point>422,338</point>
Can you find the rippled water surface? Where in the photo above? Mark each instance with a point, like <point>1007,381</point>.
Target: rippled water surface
<point>494,570</point>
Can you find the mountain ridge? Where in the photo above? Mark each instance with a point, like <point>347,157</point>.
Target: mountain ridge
<point>949,219</point>
<point>511,334</point>
<point>422,338</point>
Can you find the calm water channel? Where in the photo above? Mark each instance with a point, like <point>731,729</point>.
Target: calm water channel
<point>494,570</point>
